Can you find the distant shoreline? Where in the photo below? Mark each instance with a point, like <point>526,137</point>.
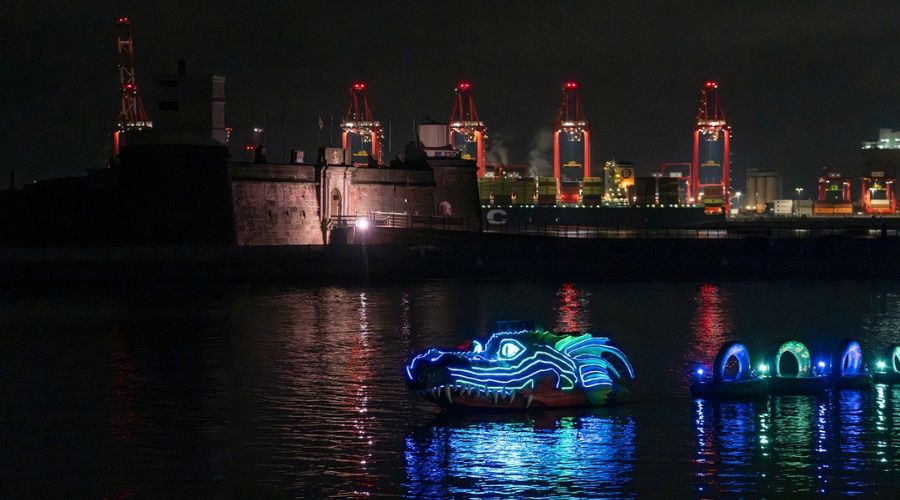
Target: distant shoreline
<point>456,255</point>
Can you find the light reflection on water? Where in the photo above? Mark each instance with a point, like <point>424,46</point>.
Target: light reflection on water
<point>299,392</point>
<point>543,454</point>
<point>789,444</point>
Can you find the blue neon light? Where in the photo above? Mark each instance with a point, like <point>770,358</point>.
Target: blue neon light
<point>500,364</point>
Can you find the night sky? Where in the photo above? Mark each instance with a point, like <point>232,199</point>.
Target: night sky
<point>802,83</point>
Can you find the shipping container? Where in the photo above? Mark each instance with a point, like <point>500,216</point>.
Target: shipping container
<point>547,190</point>
<point>592,191</point>
<point>803,208</point>
<point>783,207</point>
<point>523,191</point>
<point>833,208</point>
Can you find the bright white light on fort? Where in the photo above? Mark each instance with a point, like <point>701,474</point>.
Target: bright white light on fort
<point>362,224</point>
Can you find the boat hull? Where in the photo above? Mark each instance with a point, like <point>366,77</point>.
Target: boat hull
<point>798,385</point>
<point>860,381</point>
<point>730,389</point>
<point>886,378</point>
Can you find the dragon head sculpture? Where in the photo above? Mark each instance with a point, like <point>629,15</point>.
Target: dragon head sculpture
<point>524,369</point>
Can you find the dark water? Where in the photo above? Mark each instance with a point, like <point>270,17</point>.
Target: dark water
<point>299,392</point>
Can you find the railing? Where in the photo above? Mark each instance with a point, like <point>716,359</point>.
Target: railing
<point>399,221</point>
<point>731,233</point>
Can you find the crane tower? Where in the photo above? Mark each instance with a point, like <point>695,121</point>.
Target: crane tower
<point>467,131</point>
<point>362,135</point>
<point>571,145</point>
<point>711,163</point>
<point>131,110</point>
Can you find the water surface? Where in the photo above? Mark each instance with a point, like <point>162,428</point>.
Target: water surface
<point>299,392</point>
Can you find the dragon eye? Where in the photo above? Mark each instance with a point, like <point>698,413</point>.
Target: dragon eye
<point>510,349</point>
<point>477,347</point>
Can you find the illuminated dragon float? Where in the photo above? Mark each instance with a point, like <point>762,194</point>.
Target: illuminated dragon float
<point>524,369</point>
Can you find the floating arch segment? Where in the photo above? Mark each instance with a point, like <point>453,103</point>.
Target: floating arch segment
<point>800,353</point>
<point>730,350</point>
<point>893,354</point>
<point>847,360</point>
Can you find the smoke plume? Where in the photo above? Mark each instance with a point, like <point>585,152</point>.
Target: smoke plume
<point>539,156</point>
<point>497,153</point>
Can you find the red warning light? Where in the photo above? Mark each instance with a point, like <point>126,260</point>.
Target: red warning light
<point>129,86</point>
<point>250,147</point>
<point>464,86</point>
<point>712,85</point>
<point>571,85</point>
<point>123,20</point>
<point>359,86</point>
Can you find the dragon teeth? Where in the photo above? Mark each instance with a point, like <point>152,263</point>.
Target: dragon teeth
<point>495,398</point>
<point>528,404</point>
<point>512,397</point>
<point>447,393</point>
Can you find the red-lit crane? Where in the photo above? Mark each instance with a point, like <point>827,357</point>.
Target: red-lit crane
<point>571,134</point>
<point>710,180</point>
<point>131,110</point>
<point>467,131</point>
<point>362,134</point>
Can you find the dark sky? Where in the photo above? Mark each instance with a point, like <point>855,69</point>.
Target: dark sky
<point>803,83</point>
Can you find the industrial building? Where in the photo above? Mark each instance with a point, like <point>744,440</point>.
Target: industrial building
<point>618,178</point>
<point>887,139</point>
<point>763,186</point>
<point>190,109</point>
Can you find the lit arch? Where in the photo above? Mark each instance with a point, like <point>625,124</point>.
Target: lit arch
<point>800,353</point>
<point>737,351</point>
<point>847,360</point>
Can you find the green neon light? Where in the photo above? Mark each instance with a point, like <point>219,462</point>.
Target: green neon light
<point>800,353</point>
<point>569,340</point>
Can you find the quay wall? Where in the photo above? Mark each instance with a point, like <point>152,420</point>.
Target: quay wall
<point>414,255</point>
<point>275,205</point>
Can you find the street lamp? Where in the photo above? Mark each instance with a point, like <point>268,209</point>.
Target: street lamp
<point>738,194</point>
<point>799,191</point>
